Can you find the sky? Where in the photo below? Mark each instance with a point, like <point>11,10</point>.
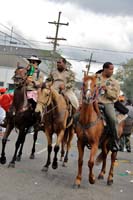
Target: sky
<point>95,26</point>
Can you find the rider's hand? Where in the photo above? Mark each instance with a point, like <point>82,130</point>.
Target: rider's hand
<point>104,88</point>
<point>62,86</point>
<point>29,80</point>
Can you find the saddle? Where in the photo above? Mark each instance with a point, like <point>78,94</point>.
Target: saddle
<point>120,116</point>
<point>69,107</point>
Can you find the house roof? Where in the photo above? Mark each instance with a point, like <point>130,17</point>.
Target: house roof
<point>11,55</point>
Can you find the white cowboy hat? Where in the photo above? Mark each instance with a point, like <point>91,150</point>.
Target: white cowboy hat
<point>34,58</point>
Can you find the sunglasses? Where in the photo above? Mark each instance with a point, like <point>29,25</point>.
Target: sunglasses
<point>58,62</point>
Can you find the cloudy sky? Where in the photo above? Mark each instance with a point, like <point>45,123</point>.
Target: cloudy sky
<point>94,26</point>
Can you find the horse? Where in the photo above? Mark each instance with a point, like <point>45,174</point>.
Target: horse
<point>91,129</point>
<point>88,127</point>
<point>55,117</point>
<point>19,117</point>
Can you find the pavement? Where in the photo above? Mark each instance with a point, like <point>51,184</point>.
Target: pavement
<point>27,182</point>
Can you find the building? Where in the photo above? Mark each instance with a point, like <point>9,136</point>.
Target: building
<point>12,56</point>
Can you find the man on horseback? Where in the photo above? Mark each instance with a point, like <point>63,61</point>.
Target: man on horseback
<point>110,91</point>
<point>34,80</point>
<point>63,81</point>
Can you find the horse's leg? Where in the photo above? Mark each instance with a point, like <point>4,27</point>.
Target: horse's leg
<point>17,145</point>
<point>91,162</point>
<point>110,176</point>
<point>49,149</point>
<point>56,149</point>
<point>62,150</point>
<point>4,141</point>
<point>32,156</point>
<point>18,158</point>
<point>63,143</point>
<point>103,156</point>
<point>80,163</point>
<point>70,137</point>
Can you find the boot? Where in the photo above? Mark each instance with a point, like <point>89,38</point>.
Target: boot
<point>128,149</point>
<point>115,145</point>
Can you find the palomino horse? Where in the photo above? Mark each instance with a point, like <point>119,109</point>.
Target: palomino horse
<point>20,116</point>
<point>89,127</point>
<point>55,117</point>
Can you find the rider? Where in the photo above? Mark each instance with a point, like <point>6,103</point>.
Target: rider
<point>110,90</point>
<point>63,81</point>
<point>34,80</point>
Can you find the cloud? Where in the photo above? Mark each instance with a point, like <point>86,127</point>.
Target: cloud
<point>110,7</point>
<point>92,24</point>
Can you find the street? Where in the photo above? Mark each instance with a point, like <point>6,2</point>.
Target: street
<point>27,182</point>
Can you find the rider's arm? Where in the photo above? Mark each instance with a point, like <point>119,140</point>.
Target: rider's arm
<point>70,82</point>
<point>113,91</point>
<point>39,81</point>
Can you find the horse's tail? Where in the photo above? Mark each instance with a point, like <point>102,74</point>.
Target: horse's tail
<point>99,158</point>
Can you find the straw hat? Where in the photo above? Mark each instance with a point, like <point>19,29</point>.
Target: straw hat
<point>34,58</point>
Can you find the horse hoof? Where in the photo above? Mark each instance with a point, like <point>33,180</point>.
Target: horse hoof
<point>91,180</point>
<point>12,165</point>
<point>32,156</point>
<point>66,160</point>
<point>3,160</point>
<point>54,166</point>
<point>18,158</point>
<point>100,177</point>
<point>110,182</point>
<point>44,169</point>
<point>76,186</point>
<point>63,165</point>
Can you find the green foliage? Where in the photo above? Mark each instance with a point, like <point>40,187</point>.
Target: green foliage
<point>124,75</point>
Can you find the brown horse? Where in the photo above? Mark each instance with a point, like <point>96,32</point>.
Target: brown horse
<point>105,148</point>
<point>55,117</point>
<point>89,127</point>
<point>90,130</point>
<point>20,116</point>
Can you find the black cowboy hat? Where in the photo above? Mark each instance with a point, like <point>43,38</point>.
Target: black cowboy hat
<point>34,58</point>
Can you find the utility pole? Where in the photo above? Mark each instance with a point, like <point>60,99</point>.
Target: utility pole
<point>89,65</point>
<point>56,38</point>
<point>11,35</point>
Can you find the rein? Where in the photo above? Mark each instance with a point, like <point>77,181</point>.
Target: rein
<point>93,98</point>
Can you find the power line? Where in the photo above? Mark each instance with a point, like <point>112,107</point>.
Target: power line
<point>12,32</point>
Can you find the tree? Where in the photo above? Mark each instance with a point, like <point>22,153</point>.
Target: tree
<point>125,76</point>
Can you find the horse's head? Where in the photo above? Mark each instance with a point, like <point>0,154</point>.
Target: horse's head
<point>45,94</point>
<point>89,88</point>
<point>20,77</point>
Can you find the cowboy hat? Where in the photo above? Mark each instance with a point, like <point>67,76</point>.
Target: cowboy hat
<point>34,58</point>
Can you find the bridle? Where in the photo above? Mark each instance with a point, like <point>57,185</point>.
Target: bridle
<point>45,105</point>
<point>91,98</point>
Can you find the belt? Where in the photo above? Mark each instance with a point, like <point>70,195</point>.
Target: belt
<point>59,80</point>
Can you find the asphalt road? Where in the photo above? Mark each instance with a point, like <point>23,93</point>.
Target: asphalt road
<point>27,182</point>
